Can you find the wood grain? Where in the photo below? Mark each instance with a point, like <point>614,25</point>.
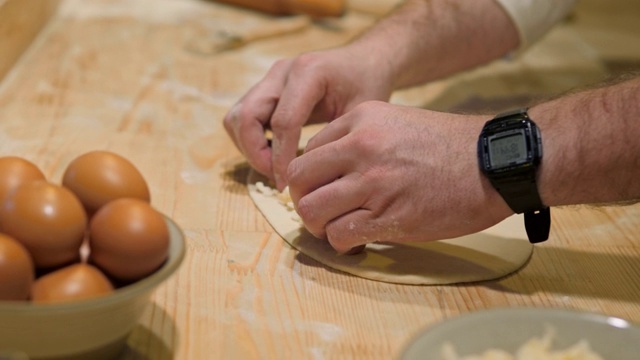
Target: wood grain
<point>119,75</point>
<point>20,23</point>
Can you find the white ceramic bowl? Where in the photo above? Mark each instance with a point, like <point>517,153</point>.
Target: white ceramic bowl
<point>510,328</point>
<point>90,329</point>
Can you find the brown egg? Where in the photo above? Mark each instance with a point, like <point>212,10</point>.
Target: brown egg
<point>17,272</point>
<point>98,177</point>
<point>128,239</point>
<point>15,171</point>
<point>48,220</point>
<point>71,283</point>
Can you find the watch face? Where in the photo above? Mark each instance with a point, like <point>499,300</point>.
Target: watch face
<point>507,148</point>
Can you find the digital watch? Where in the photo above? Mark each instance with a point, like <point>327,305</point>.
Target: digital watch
<point>509,152</point>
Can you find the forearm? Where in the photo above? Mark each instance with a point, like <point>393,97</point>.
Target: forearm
<point>591,144</point>
<point>424,40</point>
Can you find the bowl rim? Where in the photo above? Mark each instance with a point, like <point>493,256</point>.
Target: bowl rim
<point>466,320</point>
<point>177,250</point>
<point>532,311</point>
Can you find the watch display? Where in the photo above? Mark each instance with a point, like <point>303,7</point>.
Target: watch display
<point>507,149</point>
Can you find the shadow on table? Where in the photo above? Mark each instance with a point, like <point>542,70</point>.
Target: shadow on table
<point>556,270</point>
<point>146,344</point>
<point>573,272</point>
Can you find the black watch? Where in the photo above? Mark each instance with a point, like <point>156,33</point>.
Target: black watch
<point>509,152</point>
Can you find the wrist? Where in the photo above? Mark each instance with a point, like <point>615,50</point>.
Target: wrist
<point>489,206</point>
<point>591,147</point>
<point>554,136</point>
<point>379,67</point>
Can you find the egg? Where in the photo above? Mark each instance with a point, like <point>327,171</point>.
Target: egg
<point>15,171</point>
<point>48,220</point>
<point>17,271</point>
<point>99,177</point>
<point>71,283</point>
<point>128,239</point>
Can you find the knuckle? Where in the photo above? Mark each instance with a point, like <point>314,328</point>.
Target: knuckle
<point>231,117</point>
<point>367,145</point>
<point>309,217</point>
<point>363,146</point>
<point>294,170</point>
<point>243,112</point>
<point>372,106</point>
<point>245,122</point>
<point>347,233</point>
<point>281,122</point>
<point>228,126</point>
<point>281,63</point>
<point>305,62</point>
<point>306,212</point>
<point>338,241</point>
<point>319,233</point>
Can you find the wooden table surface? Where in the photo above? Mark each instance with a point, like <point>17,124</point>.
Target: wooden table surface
<point>145,79</point>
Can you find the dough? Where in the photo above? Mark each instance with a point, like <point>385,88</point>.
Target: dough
<point>487,255</point>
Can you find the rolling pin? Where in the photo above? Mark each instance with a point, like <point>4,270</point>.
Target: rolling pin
<point>314,8</point>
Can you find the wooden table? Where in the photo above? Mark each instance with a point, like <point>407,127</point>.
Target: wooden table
<point>143,79</point>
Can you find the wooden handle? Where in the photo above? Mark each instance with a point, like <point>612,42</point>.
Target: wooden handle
<point>318,8</point>
<point>315,8</point>
<point>275,7</point>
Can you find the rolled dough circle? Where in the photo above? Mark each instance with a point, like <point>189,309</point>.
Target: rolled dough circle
<point>490,254</point>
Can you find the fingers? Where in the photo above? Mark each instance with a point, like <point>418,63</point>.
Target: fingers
<point>299,98</point>
<point>248,134</point>
<point>247,120</point>
<point>335,130</point>
<point>283,101</point>
<point>326,187</point>
<point>339,212</point>
<point>331,201</point>
<point>284,148</point>
<point>335,212</point>
<point>349,233</point>
<point>325,160</point>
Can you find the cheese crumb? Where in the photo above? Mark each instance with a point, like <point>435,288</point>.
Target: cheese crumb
<point>283,197</point>
<point>537,348</point>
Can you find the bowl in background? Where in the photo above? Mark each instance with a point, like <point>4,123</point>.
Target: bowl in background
<point>510,328</point>
<point>90,329</point>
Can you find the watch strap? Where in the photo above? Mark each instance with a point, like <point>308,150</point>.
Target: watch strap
<point>525,200</point>
<point>521,194</point>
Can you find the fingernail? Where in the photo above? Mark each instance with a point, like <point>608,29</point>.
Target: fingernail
<point>234,111</point>
<point>355,250</point>
<point>279,183</point>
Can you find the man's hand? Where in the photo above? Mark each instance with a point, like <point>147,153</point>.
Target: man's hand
<point>390,173</point>
<point>312,88</point>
